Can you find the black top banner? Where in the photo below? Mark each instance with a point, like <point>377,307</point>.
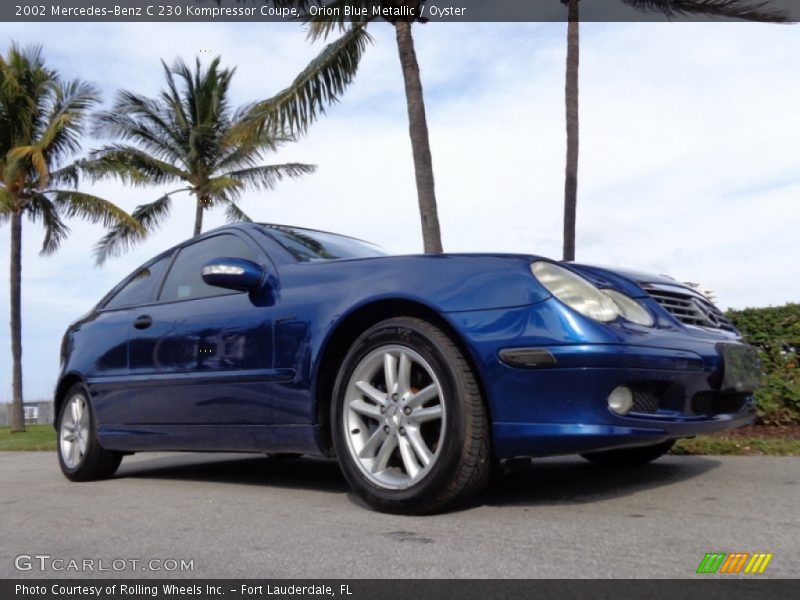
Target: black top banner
<point>392,10</point>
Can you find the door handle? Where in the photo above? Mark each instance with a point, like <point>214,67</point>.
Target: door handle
<point>143,322</point>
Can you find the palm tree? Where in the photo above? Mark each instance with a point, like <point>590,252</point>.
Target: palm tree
<point>41,121</point>
<point>293,113</point>
<point>750,10</point>
<point>188,136</point>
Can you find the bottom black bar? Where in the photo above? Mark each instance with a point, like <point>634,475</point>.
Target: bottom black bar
<point>718,588</point>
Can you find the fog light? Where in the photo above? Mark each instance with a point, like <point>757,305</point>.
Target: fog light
<point>620,400</point>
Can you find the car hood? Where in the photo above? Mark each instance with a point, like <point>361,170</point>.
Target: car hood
<point>622,278</point>
<point>633,274</point>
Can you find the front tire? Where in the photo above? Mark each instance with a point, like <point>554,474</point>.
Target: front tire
<point>79,453</point>
<point>626,457</point>
<point>408,421</point>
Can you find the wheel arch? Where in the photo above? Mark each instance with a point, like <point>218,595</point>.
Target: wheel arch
<point>354,324</point>
<point>62,388</point>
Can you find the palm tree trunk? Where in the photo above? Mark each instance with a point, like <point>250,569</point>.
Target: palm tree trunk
<point>420,143</point>
<point>571,94</point>
<point>17,409</point>
<point>198,216</point>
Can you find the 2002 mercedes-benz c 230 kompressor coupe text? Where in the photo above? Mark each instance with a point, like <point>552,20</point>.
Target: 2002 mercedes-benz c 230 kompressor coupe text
<point>418,373</point>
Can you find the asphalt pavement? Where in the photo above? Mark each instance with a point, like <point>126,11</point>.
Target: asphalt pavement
<point>253,516</point>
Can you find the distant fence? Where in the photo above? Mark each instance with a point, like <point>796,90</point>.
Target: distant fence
<point>35,413</point>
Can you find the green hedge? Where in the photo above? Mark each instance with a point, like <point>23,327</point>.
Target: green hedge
<point>775,331</point>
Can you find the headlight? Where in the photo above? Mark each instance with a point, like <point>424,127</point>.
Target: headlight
<point>574,291</point>
<point>630,309</point>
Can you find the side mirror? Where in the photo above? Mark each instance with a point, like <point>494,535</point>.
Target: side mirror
<point>233,274</point>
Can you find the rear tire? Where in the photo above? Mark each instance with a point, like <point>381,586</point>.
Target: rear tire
<point>625,457</point>
<point>79,453</point>
<point>408,421</point>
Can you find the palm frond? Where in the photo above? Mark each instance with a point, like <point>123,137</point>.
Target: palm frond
<point>123,237</point>
<point>234,214</point>
<point>247,141</point>
<point>220,187</point>
<point>173,101</point>
<point>248,136</point>
<point>131,165</point>
<point>320,84</point>
<point>67,175</point>
<point>266,176</point>
<point>72,204</point>
<point>40,208</point>
<point>748,10</point>
<point>24,91</point>
<point>60,114</point>
<point>145,129</point>
<point>67,114</point>
<point>23,159</point>
<point>238,155</point>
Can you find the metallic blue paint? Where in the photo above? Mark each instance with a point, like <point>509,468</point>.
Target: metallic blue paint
<point>240,371</point>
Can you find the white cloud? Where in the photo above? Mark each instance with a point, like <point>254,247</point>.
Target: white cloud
<point>688,152</point>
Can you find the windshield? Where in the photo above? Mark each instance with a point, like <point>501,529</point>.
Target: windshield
<point>311,245</point>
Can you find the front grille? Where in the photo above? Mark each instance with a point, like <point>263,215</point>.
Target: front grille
<point>645,401</point>
<point>689,308</point>
<point>652,397</point>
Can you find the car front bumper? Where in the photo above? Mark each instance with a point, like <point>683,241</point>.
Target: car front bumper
<point>547,439</point>
<point>562,408</point>
<point>558,403</point>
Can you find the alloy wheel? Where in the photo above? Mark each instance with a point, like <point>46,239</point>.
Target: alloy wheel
<point>394,417</point>
<point>74,431</point>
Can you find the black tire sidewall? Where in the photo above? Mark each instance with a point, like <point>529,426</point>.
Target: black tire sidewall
<point>412,334</point>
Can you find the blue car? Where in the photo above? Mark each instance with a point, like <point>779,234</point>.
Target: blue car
<point>418,373</point>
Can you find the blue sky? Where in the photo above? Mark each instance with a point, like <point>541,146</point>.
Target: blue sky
<point>689,152</point>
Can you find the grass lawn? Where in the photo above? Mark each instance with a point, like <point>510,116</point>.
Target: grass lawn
<point>748,446</point>
<point>752,441</point>
<point>36,437</point>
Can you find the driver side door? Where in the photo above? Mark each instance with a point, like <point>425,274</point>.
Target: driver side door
<point>203,355</point>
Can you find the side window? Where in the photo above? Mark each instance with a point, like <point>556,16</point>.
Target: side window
<point>141,287</point>
<point>185,280</point>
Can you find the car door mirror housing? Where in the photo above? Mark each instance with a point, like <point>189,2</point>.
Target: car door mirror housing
<point>233,274</point>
